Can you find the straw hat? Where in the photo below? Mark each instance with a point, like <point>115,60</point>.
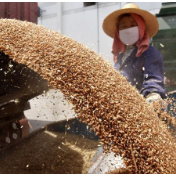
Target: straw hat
<point>111,21</point>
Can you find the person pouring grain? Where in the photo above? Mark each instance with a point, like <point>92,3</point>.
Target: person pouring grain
<point>142,64</point>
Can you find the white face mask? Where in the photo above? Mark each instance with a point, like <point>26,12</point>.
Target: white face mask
<point>129,36</point>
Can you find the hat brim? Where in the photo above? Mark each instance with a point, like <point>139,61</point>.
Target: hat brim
<point>111,21</point>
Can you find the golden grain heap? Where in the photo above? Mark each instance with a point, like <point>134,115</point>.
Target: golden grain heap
<point>125,123</point>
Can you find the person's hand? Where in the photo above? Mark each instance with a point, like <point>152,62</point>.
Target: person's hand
<point>153,97</point>
<point>156,98</point>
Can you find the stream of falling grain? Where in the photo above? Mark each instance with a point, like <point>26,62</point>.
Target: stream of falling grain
<point>101,97</point>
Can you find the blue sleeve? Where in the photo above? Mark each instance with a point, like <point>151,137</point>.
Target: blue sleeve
<point>153,75</point>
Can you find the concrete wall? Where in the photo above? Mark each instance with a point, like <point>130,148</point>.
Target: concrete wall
<point>84,24</point>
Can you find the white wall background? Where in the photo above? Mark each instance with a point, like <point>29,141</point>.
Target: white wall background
<point>84,24</point>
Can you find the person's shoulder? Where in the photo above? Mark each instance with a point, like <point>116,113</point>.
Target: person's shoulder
<point>152,51</point>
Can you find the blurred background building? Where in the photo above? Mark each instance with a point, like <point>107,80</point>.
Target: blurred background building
<point>82,21</point>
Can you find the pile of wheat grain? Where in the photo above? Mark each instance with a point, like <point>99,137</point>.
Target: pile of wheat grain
<point>48,152</point>
<point>101,97</point>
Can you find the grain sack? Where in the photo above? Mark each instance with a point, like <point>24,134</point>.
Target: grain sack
<point>124,121</point>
